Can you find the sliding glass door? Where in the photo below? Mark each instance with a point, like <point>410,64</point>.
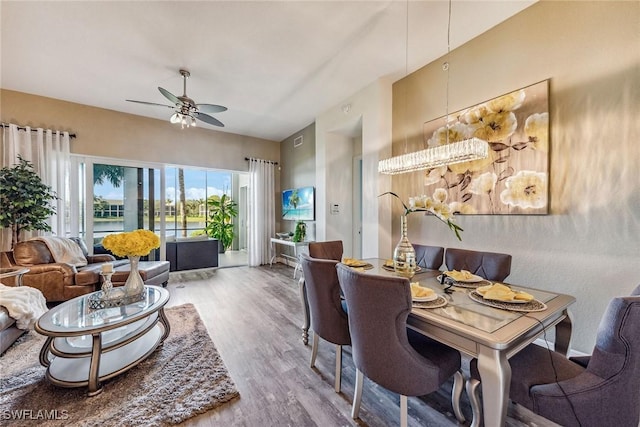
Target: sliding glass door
<point>125,198</point>
<point>116,196</point>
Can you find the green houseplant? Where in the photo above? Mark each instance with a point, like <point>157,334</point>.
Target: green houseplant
<point>25,201</point>
<point>222,210</point>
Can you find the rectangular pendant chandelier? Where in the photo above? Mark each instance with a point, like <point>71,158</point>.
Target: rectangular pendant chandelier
<point>455,152</point>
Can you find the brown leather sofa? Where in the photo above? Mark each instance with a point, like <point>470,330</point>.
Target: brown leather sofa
<point>57,281</point>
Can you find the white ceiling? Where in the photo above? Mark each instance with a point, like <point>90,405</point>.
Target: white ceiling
<point>275,64</point>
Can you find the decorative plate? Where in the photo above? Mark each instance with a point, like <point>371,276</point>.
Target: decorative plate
<point>466,285</point>
<point>440,301</point>
<point>361,267</point>
<point>431,297</point>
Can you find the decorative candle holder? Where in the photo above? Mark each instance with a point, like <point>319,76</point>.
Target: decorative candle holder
<point>107,286</point>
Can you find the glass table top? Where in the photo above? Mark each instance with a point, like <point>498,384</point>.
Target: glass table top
<point>460,307</point>
<point>76,315</point>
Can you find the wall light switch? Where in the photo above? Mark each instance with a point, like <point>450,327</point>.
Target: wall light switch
<point>335,209</point>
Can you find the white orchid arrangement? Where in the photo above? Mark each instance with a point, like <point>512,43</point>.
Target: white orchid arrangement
<point>435,205</point>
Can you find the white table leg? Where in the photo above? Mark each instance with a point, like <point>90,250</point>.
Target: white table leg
<point>273,253</point>
<point>495,377</point>
<point>297,266</point>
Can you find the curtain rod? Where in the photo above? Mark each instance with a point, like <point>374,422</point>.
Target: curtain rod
<point>6,125</point>
<point>269,161</point>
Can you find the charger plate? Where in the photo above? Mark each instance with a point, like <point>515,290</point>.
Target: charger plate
<point>528,307</point>
<point>390,268</point>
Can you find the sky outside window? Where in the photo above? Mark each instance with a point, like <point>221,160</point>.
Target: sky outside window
<point>199,184</point>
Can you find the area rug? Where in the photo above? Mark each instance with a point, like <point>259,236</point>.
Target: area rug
<point>183,378</point>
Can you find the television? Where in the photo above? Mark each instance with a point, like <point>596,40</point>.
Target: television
<point>298,204</point>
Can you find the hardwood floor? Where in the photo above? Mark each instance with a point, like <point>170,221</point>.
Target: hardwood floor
<point>253,315</point>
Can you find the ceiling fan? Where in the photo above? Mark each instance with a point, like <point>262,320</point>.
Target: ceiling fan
<point>186,110</point>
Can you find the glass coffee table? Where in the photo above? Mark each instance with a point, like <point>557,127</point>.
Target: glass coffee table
<point>86,346</point>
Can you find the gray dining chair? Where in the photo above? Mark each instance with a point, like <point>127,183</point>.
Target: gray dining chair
<point>385,350</point>
<point>326,250</point>
<point>429,257</point>
<point>598,390</point>
<point>328,318</point>
<point>490,265</point>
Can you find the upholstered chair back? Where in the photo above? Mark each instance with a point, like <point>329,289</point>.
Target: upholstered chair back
<point>429,257</point>
<point>328,319</point>
<point>378,311</point>
<point>607,392</point>
<point>326,250</point>
<point>490,265</point>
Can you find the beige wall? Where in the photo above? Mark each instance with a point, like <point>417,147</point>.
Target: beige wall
<point>112,134</point>
<point>298,169</point>
<point>367,122</point>
<point>589,246</point>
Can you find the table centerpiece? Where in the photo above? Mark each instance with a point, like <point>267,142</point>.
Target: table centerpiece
<point>404,255</point>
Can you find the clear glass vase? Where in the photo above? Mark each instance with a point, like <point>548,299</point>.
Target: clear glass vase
<point>404,255</point>
<point>134,284</point>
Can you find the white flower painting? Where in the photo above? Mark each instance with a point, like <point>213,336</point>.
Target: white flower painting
<point>514,178</point>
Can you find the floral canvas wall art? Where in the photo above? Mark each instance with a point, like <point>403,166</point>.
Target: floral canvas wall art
<point>514,178</point>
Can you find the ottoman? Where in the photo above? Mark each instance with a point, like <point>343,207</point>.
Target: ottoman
<point>153,273</point>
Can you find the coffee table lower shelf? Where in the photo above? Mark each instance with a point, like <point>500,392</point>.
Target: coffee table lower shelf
<point>75,371</point>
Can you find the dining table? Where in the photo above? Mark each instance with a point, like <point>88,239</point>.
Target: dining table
<point>490,331</point>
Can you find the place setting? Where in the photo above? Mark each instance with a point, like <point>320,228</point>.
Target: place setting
<point>425,297</point>
<point>499,295</point>
<point>462,279</point>
<point>357,264</point>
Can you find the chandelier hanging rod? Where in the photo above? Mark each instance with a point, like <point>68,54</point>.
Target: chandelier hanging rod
<point>447,154</point>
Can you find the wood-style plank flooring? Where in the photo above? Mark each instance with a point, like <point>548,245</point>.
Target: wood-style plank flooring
<point>253,315</point>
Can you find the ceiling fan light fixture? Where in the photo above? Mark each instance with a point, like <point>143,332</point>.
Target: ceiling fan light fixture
<point>186,111</point>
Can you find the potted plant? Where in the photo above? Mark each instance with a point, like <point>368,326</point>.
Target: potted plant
<point>222,210</point>
<point>25,201</point>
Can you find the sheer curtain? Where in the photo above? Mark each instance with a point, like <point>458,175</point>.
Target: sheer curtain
<point>48,152</point>
<point>262,221</point>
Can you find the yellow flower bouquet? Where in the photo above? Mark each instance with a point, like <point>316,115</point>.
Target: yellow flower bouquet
<point>133,243</point>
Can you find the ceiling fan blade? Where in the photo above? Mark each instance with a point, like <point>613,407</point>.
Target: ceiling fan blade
<point>211,108</point>
<point>171,97</point>
<point>208,119</point>
<point>151,103</point>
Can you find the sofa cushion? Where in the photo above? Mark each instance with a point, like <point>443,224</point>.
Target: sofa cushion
<point>64,250</point>
<point>32,252</point>
<point>83,246</point>
<point>88,275</point>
